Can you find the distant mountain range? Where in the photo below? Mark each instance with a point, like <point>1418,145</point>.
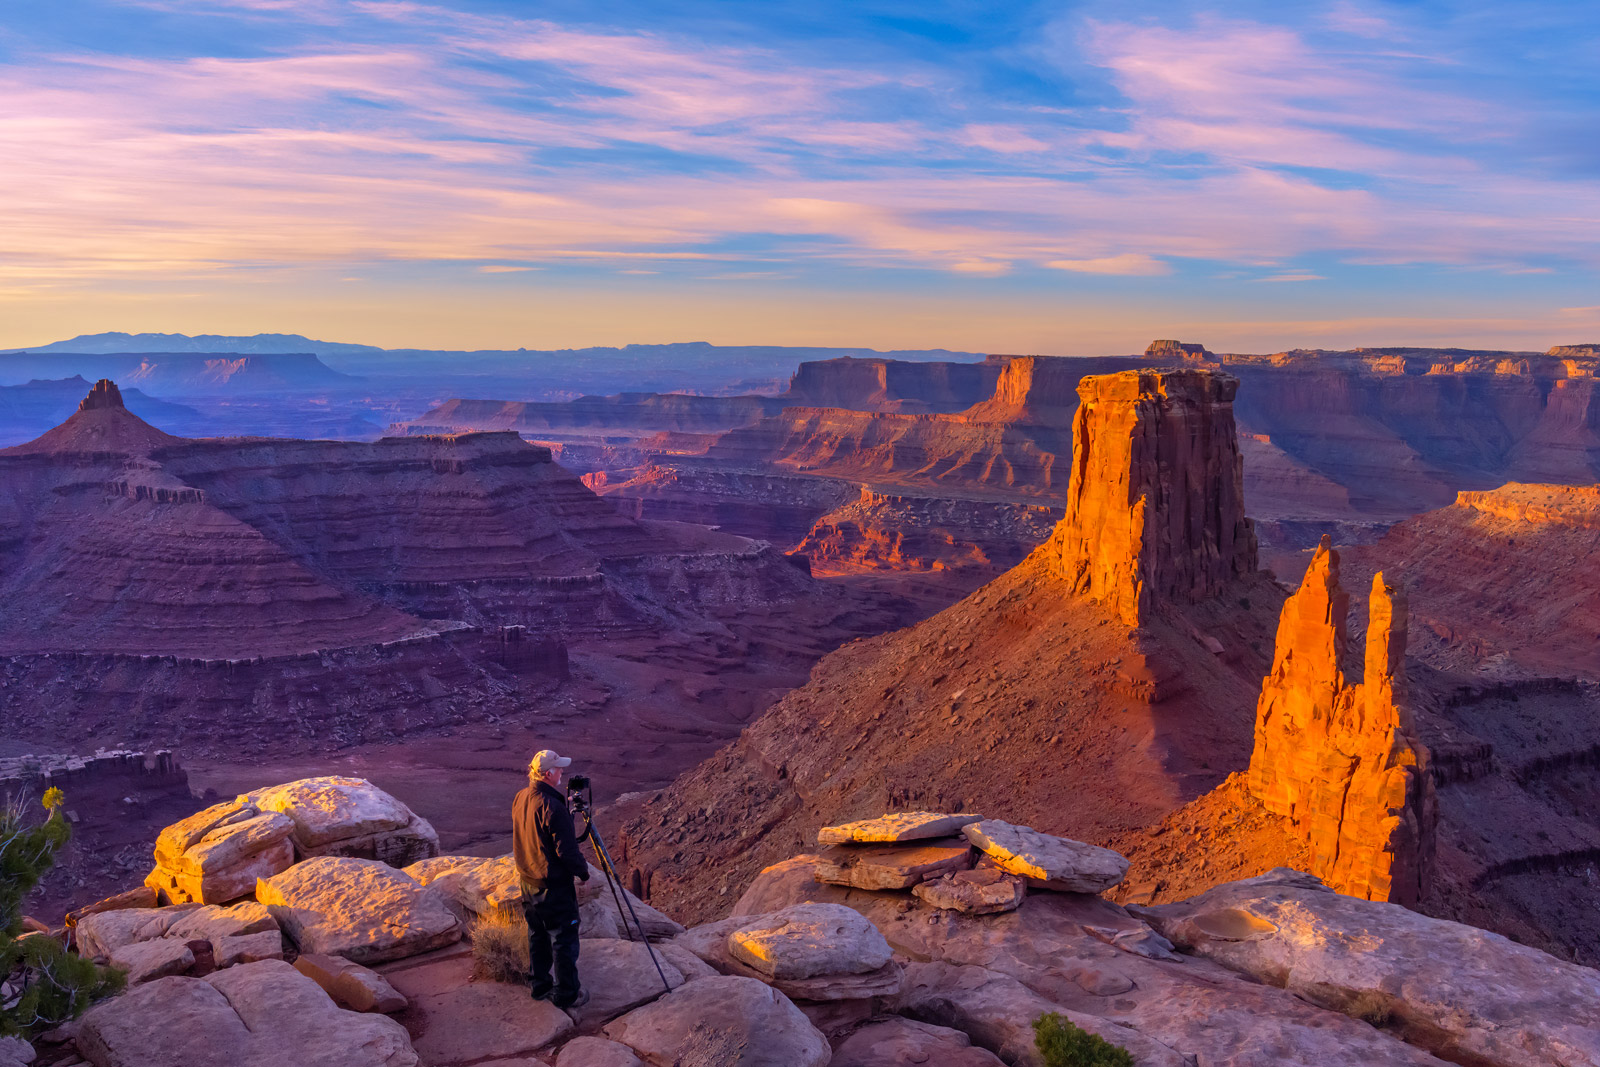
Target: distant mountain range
<point>258,344</point>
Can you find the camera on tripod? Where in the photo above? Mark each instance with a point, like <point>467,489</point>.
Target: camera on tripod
<point>578,792</point>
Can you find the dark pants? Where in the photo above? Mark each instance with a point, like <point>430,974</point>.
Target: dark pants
<point>552,915</point>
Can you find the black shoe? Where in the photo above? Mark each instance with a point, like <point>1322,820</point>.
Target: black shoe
<point>576,1002</point>
<point>542,994</point>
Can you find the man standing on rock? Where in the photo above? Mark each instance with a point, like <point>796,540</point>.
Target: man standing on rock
<point>545,846</point>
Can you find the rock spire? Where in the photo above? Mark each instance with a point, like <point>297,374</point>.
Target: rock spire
<point>1341,760</point>
<point>105,394</point>
<point>1155,506</point>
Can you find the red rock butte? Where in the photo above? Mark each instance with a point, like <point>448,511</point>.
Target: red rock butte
<point>1341,761</point>
<point>1155,507</point>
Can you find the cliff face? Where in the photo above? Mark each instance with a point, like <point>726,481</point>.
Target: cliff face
<point>1502,581</point>
<point>891,385</point>
<point>1341,761</point>
<point>1155,509</point>
<point>906,532</point>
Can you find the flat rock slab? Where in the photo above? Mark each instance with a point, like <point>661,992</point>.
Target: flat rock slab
<point>596,1052</point>
<point>619,976</point>
<point>363,910</point>
<point>897,826</point>
<point>1470,995</point>
<point>256,1015</point>
<point>908,1043</point>
<point>997,1012</point>
<point>482,1020</point>
<point>350,984</point>
<point>891,866</point>
<point>977,892</point>
<point>1047,861</point>
<point>731,1022</point>
<point>146,961</point>
<point>808,940</point>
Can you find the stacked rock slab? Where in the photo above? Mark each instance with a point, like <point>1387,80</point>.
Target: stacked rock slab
<point>1341,760</point>
<point>1155,505</point>
<point>218,854</point>
<point>1047,861</point>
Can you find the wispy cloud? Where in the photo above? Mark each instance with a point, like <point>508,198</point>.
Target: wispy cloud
<point>1126,263</point>
<point>417,132</point>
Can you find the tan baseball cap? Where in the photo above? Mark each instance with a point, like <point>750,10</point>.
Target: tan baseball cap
<point>545,760</point>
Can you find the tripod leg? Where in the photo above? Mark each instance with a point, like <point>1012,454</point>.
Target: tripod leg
<point>613,880</point>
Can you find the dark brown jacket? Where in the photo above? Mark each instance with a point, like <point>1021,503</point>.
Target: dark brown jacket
<point>543,839</point>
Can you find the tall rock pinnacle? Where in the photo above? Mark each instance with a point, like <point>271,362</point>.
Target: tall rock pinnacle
<point>105,394</point>
<point>1155,507</point>
<point>1340,761</point>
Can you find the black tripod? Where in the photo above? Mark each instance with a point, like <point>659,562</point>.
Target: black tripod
<point>578,794</point>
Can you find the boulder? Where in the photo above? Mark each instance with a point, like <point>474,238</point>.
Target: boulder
<point>15,1052</point>
<point>1467,995</point>
<point>338,816</point>
<point>256,1015</point>
<point>907,1043</point>
<point>101,934</point>
<point>891,866</point>
<point>596,1052</point>
<point>1047,861</point>
<point>977,892</point>
<point>363,910</point>
<point>809,940</point>
<point>732,1022</point>
<point>217,854</point>
<point>476,884</point>
<point>896,827</point>
<point>619,976</point>
<point>247,948</point>
<point>712,943</point>
<point>350,984</point>
<point>145,961</point>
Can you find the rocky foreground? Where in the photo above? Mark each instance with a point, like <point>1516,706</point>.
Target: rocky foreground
<point>913,938</point>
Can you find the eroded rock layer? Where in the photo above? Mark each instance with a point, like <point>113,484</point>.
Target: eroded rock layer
<point>1155,509</point>
<point>1340,760</point>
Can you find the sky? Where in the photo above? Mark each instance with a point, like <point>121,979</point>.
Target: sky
<point>1065,178</point>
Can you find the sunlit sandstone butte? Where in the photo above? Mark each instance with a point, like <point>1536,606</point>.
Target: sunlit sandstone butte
<point>1155,508</point>
<point>1340,760</point>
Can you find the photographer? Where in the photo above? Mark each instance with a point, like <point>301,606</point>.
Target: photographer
<point>545,846</point>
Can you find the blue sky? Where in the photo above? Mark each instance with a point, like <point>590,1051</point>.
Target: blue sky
<point>1071,178</point>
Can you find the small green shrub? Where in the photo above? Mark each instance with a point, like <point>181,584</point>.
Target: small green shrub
<point>1065,1045</point>
<point>500,945</point>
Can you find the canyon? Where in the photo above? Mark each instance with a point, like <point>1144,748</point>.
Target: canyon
<point>1388,779</point>
<point>417,604</point>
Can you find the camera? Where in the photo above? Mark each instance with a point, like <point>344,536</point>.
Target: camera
<point>578,792</point>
